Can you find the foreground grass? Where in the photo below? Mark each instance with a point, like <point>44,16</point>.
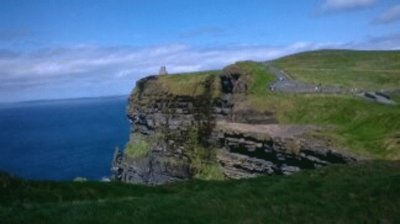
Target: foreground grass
<point>364,193</point>
<point>344,68</point>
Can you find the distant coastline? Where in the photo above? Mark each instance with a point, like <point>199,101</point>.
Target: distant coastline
<point>39,101</point>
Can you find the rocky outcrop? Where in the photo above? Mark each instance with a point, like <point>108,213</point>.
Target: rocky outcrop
<point>154,168</point>
<point>164,118</point>
<point>250,150</point>
<point>246,142</point>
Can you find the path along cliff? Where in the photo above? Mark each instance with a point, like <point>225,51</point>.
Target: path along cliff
<point>285,83</point>
<point>185,126</point>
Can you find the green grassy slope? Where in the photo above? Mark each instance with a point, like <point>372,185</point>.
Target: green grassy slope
<point>363,193</point>
<point>345,68</point>
<point>361,127</point>
<point>187,84</point>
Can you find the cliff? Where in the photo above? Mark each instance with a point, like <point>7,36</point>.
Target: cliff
<point>204,125</point>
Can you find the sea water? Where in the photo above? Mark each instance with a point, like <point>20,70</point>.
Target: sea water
<point>63,139</point>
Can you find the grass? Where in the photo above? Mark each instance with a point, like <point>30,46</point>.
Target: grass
<point>256,75</point>
<point>259,78</point>
<point>361,127</point>
<point>364,128</point>
<point>193,84</point>
<point>190,84</point>
<point>351,69</point>
<point>210,171</point>
<point>363,193</point>
<point>137,149</point>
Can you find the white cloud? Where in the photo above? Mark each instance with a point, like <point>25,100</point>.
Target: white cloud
<point>390,15</point>
<point>94,70</point>
<point>338,5</point>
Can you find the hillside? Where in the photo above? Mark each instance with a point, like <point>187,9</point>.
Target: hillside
<point>213,128</point>
<point>351,69</point>
<point>364,193</point>
<point>365,128</point>
<point>196,125</point>
<point>361,126</point>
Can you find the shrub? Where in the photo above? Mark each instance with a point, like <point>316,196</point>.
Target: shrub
<point>210,171</point>
<point>137,148</point>
<point>202,159</point>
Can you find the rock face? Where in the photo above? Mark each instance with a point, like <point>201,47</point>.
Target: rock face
<point>245,142</point>
<point>250,150</point>
<point>155,168</point>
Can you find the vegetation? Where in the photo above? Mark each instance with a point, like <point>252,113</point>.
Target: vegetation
<point>364,193</point>
<point>358,125</point>
<point>137,148</point>
<point>202,159</point>
<point>190,84</point>
<point>351,69</point>
<point>362,127</point>
<point>210,170</point>
<point>259,78</point>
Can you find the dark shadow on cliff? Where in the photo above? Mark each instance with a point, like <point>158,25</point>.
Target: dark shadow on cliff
<point>204,117</point>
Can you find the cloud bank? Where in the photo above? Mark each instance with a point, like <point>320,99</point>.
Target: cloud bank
<point>88,70</point>
<point>95,70</point>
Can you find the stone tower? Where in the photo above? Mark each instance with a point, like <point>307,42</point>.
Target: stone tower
<point>163,71</point>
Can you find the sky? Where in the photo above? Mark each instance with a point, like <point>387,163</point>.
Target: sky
<point>54,49</point>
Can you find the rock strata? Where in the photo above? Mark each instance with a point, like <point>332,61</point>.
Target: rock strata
<point>245,142</point>
<point>271,149</point>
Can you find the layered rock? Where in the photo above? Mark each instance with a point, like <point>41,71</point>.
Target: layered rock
<point>250,150</point>
<point>246,142</point>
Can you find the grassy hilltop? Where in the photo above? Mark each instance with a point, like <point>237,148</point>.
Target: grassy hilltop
<point>362,127</point>
<point>368,192</point>
<point>354,69</point>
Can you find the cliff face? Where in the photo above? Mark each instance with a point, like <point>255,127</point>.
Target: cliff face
<point>181,122</point>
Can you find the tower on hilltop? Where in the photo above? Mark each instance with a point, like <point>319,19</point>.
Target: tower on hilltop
<point>163,71</point>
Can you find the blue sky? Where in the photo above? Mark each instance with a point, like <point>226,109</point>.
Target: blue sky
<point>63,49</point>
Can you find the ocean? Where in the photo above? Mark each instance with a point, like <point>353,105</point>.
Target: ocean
<point>62,139</point>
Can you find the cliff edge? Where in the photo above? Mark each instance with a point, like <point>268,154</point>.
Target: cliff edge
<point>205,125</point>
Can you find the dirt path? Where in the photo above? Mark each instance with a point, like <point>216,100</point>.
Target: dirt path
<point>285,83</point>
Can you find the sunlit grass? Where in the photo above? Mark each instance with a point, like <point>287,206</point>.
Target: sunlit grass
<point>359,126</point>
<point>350,69</point>
<point>190,84</point>
<point>362,127</point>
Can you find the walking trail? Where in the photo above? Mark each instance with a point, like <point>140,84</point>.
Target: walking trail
<point>285,83</point>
